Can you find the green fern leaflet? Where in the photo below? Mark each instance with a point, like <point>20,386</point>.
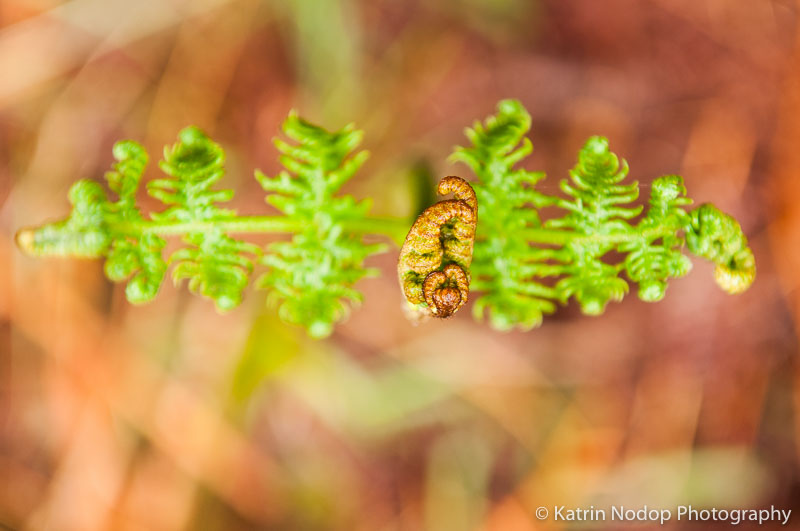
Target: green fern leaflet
<point>516,252</point>
<point>311,277</point>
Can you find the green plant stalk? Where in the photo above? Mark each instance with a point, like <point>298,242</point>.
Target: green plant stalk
<point>393,228</point>
<point>560,237</point>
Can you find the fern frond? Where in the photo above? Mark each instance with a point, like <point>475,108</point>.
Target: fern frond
<point>82,234</point>
<point>596,193</point>
<point>433,268</point>
<point>216,265</point>
<point>134,256</point>
<point>195,164</point>
<point>654,254</point>
<point>576,247</point>
<point>718,237</point>
<point>522,266</point>
<point>502,255</point>
<point>594,211</point>
<point>311,278</point>
<point>98,227</point>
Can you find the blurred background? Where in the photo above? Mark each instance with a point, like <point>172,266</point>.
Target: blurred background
<point>171,416</point>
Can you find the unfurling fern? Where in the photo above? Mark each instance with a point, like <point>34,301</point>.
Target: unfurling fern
<point>433,268</point>
<point>509,266</point>
<point>312,276</point>
<point>522,266</point>
<point>717,237</point>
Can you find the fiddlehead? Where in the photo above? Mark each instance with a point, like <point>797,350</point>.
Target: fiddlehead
<point>435,257</point>
<point>717,237</point>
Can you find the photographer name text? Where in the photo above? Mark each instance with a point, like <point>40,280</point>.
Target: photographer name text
<point>681,513</point>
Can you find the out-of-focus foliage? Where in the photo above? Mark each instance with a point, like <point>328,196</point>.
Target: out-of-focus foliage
<point>507,267</point>
<point>130,257</point>
<point>216,265</point>
<point>98,226</point>
<point>651,259</point>
<point>717,237</point>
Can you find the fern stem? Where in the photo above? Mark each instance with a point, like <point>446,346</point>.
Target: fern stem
<point>560,237</point>
<point>393,228</point>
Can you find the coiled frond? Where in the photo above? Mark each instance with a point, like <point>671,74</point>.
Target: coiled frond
<point>433,267</point>
<point>718,237</point>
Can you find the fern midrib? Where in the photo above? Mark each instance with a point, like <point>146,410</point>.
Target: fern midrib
<point>561,237</point>
<point>393,228</point>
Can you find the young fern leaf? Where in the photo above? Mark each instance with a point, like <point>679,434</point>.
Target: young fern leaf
<point>504,263</point>
<point>98,227</point>
<point>597,220</point>
<point>135,256</point>
<point>217,266</point>
<point>595,214</point>
<point>311,278</point>
<point>717,237</point>
<point>648,262</point>
<point>433,267</point>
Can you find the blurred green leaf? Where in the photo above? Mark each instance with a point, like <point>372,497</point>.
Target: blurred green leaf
<point>269,348</point>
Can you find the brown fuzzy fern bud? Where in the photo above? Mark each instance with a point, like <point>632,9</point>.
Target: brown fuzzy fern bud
<point>434,261</point>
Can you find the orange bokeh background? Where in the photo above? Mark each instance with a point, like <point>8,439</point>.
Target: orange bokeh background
<point>172,416</point>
